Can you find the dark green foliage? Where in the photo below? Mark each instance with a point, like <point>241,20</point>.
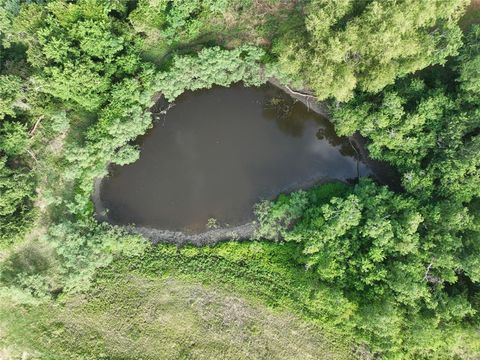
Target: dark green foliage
<point>392,263</point>
<point>10,89</point>
<point>469,65</point>
<point>428,130</point>
<point>17,185</point>
<point>17,190</point>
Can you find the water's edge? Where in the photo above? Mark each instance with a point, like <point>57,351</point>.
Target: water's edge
<point>382,172</point>
<point>210,237</point>
<point>244,231</point>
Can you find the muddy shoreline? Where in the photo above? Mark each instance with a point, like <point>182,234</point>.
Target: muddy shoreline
<point>209,237</point>
<point>380,171</point>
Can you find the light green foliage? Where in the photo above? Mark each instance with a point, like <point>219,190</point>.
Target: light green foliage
<point>8,10</point>
<point>389,261</point>
<point>427,126</point>
<point>169,22</point>
<point>82,251</point>
<point>353,44</point>
<point>274,218</point>
<point>149,15</point>
<point>65,260</point>
<point>356,240</point>
<point>87,59</point>
<point>123,119</point>
<point>5,24</point>
<point>13,138</point>
<point>451,237</point>
<point>212,66</point>
<point>59,122</point>
<point>126,155</point>
<point>78,50</point>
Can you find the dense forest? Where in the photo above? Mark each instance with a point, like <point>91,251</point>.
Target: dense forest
<point>378,272</point>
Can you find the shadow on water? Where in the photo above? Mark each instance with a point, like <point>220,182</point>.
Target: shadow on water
<point>217,152</point>
<point>291,116</point>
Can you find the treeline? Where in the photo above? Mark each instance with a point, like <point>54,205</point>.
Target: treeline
<point>367,44</point>
<point>405,267</point>
<point>96,91</point>
<point>399,271</point>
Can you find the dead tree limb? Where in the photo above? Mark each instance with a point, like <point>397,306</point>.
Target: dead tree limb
<point>298,92</point>
<point>30,152</point>
<point>36,125</point>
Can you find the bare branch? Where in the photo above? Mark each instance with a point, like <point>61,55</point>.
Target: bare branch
<point>30,152</point>
<point>427,271</point>
<point>298,93</point>
<point>36,125</point>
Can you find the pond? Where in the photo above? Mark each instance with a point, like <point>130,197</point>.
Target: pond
<point>217,152</point>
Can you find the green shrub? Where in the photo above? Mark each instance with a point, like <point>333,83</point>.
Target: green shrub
<point>64,260</point>
<point>212,66</point>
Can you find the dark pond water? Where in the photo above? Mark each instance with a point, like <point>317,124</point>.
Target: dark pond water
<point>217,152</point>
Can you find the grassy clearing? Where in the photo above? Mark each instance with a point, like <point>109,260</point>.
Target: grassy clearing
<point>138,317</point>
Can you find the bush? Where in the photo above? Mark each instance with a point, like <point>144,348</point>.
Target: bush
<point>212,66</point>
<point>64,260</point>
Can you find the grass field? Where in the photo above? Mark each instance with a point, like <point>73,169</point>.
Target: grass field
<point>137,317</point>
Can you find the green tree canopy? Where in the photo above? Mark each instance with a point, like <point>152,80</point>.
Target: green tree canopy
<point>367,44</point>
<point>426,127</point>
<point>10,93</point>
<point>78,49</point>
<point>16,195</point>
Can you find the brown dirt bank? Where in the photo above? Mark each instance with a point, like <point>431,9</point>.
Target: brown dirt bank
<point>210,237</point>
